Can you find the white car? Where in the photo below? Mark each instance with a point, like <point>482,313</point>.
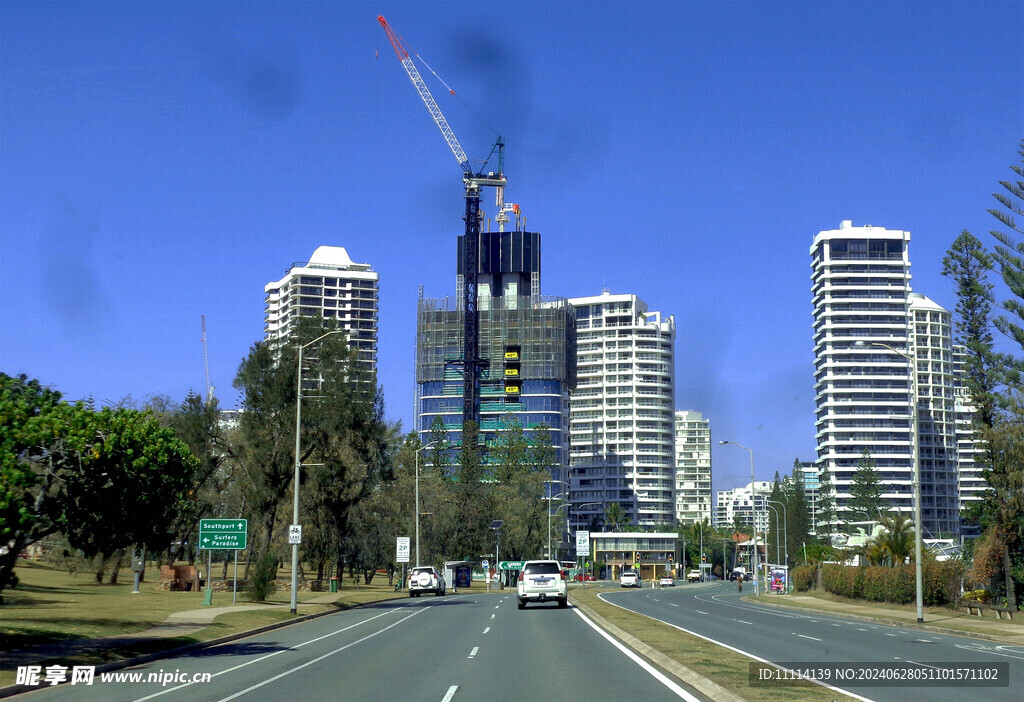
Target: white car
<point>426,579</point>
<point>630,579</point>
<point>667,581</point>
<point>541,581</point>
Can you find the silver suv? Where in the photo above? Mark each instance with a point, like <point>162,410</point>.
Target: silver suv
<point>540,581</point>
<point>426,579</point>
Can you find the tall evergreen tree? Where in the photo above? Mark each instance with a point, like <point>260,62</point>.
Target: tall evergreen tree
<point>865,490</point>
<point>1009,260</point>
<point>1003,517</point>
<point>776,500</point>
<point>798,521</point>
<point>967,264</point>
<point>826,512</point>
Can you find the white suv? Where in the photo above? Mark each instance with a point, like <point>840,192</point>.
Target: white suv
<point>426,579</point>
<point>540,581</point>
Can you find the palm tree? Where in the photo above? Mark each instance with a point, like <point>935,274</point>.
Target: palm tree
<point>898,539</point>
<point>614,517</point>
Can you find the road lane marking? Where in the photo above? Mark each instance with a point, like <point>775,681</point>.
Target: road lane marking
<point>318,659</point>
<point>655,673</point>
<point>473,652</point>
<point>743,622</point>
<point>275,653</point>
<point>893,635</point>
<point>450,694</point>
<point>673,604</point>
<point>492,616</point>
<point>700,611</point>
<point>487,629</point>
<point>808,637</point>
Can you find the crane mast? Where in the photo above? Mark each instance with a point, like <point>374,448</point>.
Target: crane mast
<point>473,182</point>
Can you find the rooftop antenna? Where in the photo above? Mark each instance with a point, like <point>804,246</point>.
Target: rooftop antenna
<point>206,365</point>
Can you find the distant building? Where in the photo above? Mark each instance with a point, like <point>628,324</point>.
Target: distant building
<point>693,467</point>
<point>622,444</point>
<point>332,285</point>
<point>527,351</point>
<point>738,503</point>
<point>862,298</point>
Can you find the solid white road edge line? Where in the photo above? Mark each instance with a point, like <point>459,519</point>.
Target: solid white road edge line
<point>734,650</point>
<point>654,672</point>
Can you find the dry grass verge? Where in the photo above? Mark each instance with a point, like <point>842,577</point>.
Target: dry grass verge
<point>722,666</point>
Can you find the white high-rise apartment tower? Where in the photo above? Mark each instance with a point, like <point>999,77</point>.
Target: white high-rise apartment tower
<point>621,412</point>
<point>332,285</point>
<point>693,467</point>
<point>863,391</point>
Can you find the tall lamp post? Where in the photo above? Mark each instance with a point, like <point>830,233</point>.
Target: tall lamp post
<point>916,451</point>
<point>755,561</point>
<point>298,466</point>
<point>425,446</point>
<point>553,497</point>
<point>785,530</point>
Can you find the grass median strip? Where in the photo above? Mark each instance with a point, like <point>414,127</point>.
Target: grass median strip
<point>721,665</point>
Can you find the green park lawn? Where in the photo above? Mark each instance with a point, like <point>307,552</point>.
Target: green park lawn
<point>50,606</point>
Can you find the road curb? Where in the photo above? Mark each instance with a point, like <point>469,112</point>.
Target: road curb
<point>711,690</point>
<point>12,690</point>
<point>880,620</point>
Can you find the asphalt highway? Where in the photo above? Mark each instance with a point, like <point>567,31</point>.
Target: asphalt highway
<point>854,655</point>
<point>460,647</point>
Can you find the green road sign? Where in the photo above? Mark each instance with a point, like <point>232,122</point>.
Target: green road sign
<point>223,533</point>
<point>511,565</point>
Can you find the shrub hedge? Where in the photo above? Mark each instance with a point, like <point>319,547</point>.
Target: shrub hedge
<point>803,578</point>
<point>941,582</point>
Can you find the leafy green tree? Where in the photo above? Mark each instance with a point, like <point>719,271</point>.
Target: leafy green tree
<point>343,433</point>
<point>865,489</point>
<point>107,480</point>
<point>196,422</point>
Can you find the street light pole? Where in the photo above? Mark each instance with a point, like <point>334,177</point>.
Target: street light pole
<point>916,451</point>
<point>755,561</point>
<point>425,446</point>
<point>785,531</point>
<point>553,497</point>
<point>298,466</point>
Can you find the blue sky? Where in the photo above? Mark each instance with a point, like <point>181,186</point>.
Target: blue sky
<point>163,161</point>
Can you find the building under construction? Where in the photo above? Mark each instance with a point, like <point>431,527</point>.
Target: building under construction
<point>526,348</point>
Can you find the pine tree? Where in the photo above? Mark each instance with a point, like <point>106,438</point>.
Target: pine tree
<point>865,490</point>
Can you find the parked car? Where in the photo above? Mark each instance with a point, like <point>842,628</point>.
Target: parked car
<point>542,581</point>
<point>667,581</point>
<point>693,576</point>
<point>580,577</point>
<point>426,579</point>
<point>630,579</point>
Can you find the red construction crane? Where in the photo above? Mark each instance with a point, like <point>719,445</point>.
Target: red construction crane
<point>473,182</point>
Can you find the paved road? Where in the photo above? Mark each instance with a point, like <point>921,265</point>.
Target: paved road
<point>459,647</point>
<point>717,612</point>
